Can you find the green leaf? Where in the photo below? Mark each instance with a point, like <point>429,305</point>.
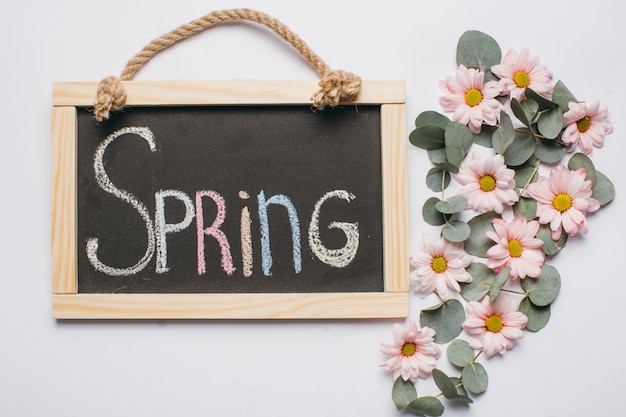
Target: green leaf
<point>460,354</point>
<point>541,101</point>
<point>430,213</point>
<point>475,379</point>
<point>603,189</point>
<point>549,151</point>
<point>478,50</point>
<point>526,207</point>
<point>580,160</point>
<point>427,406</point>
<point>439,158</point>
<point>562,96</point>
<point>504,134</point>
<point>521,149</point>
<point>446,318</point>
<point>437,179</point>
<point>477,243</point>
<point>457,231</point>
<point>432,118</point>
<point>538,317</point>
<point>543,290</point>
<point>530,108</point>
<point>458,139</point>
<point>551,247</point>
<point>444,383</point>
<point>427,137</point>
<point>403,393</point>
<point>519,112</point>
<point>524,172</point>
<point>501,279</point>
<point>483,279</point>
<point>484,138</point>
<point>461,394</point>
<point>452,205</point>
<point>550,123</point>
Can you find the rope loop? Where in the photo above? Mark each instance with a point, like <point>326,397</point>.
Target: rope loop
<point>335,86</point>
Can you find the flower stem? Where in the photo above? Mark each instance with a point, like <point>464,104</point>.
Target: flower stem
<point>530,179</point>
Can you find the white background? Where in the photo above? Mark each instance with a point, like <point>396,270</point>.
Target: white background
<point>574,367</point>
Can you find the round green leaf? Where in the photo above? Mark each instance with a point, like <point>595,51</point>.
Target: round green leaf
<point>457,231</point>
<point>427,406</point>
<point>477,50</point>
<point>427,137</point>
<point>542,102</point>
<point>530,108</point>
<point>439,158</point>
<point>484,138</point>
<point>403,393</point>
<point>550,123</point>
<point>437,179</point>
<point>459,353</point>
<point>521,149</point>
<point>580,160</point>
<point>475,379</point>
<point>501,279</point>
<point>446,318</point>
<point>519,112</point>
<point>452,205</point>
<point>444,383</point>
<point>562,96</point>
<point>549,151</point>
<point>603,189</point>
<point>551,247</point>
<point>430,213</point>
<point>543,290</point>
<point>482,280</point>
<point>477,243</point>
<point>526,207</point>
<point>504,134</point>
<point>458,139</point>
<point>432,118</point>
<point>461,394</point>
<point>538,317</point>
<point>524,172</point>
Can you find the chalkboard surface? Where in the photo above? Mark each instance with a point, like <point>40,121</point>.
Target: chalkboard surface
<point>230,192</point>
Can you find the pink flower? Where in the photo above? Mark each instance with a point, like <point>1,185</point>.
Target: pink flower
<point>494,327</point>
<point>520,71</point>
<point>487,184</point>
<point>563,199</point>
<point>586,126</point>
<point>412,352</point>
<point>440,267</point>
<point>471,101</point>
<point>516,247</point>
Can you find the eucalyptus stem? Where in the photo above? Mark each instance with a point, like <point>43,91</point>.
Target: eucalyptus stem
<point>530,179</point>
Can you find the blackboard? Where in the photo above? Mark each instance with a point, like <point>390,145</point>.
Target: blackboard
<point>210,199</point>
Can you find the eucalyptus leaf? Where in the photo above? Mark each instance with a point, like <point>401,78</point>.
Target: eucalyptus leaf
<point>457,231</point>
<point>524,172</point>
<point>439,158</point>
<point>427,137</point>
<point>475,379</point>
<point>603,190</point>
<point>446,318</point>
<point>430,213</point>
<point>538,317</point>
<point>541,101</point>
<point>530,108</point>
<point>437,179</point>
<point>580,160</point>
<point>427,406</point>
<point>432,118</point>
<point>483,279</point>
<point>444,383</point>
<point>461,393</point>
<point>543,290</point>
<point>458,139</point>
<point>526,207</point>
<point>562,96</point>
<point>519,112</point>
<point>550,123</point>
<point>452,205</point>
<point>504,134</point>
<point>551,247</point>
<point>460,354</point>
<point>501,279</point>
<point>521,149</point>
<point>477,243</point>
<point>403,393</point>
<point>549,151</point>
<point>478,50</point>
<point>484,138</point>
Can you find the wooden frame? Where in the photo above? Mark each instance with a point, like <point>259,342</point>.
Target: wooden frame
<point>67,303</point>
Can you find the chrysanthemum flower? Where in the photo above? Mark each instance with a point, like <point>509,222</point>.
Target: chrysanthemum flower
<point>440,267</point>
<point>520,71</point>
<point>469,99</point>
<point>586,126</point>
<point>412,353</point>
<point>486,183</point>
<point>563,199</point>
<point>516,247</point>
<point>494,327</point>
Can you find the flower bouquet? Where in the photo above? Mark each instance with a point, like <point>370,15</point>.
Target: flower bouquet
<point>513,155</point>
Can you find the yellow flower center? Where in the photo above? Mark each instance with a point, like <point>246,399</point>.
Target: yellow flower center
<point>521,79</point>
<point>473,97</point>
<point>439,264</point>
<point>562,202</point>
<point>494,323</point>
<point>487,183</point>
<point>583,124</point>
<point>515,248</point>
<point>408,349</point>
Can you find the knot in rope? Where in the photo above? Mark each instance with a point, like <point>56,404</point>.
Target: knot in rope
<point>336,86</point>
<point>110,96</point>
